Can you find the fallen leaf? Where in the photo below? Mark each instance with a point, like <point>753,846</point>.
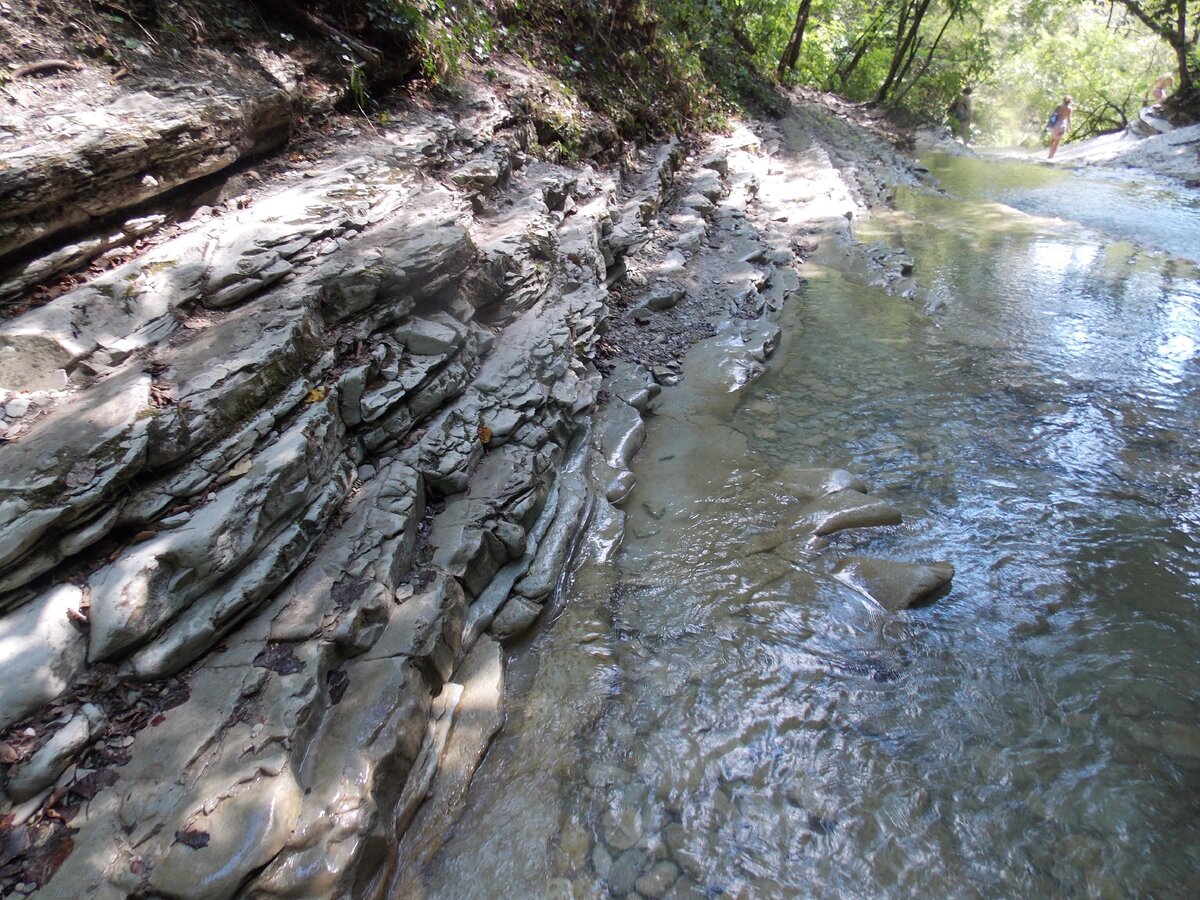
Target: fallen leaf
<point>244,465</point>
<point>91,784</point>
<point>316,395</point>
<point>485,434</point>
<point>194,839</point>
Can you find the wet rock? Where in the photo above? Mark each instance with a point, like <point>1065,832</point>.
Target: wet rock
<point>658,880</point>
<point>514,619</point>
<point>893,585</point>
<point>553,550</point>
<point>349,799</point>
<point>849,509</point>
<point>619,434</point>
<point>815,482</point>
<point>480,715</point>
<point>427,629</point>
<point>634,384</point>
<point>244,831</point>
<point>625,871</point>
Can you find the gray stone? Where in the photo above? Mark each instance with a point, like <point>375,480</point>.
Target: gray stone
<point>41,652</point>
<point>427,629</point>
<point>552,552</point>
<point>811,482</point>
<point>207,618</point>
<point>480,716</point>
<point>619,434</point>
<point>698,202</point>
<point>514,619</point>
<point>154,581</point>
<point>708,185</point>
<point>414,257</point>
<point>349,798</point>
<point>94,161</point>
<point>16,409</point>
<point>437,335</point>
<point>232,370</point>
<point>625,871</point>
<point>664,296</point>
<point>70,463</point>
<point>893,585</point>
<point>658,880</point>
<point>53,757</point>
<point>633,383</point>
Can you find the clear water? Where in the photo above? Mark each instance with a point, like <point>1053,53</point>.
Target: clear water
<point>701,720</point>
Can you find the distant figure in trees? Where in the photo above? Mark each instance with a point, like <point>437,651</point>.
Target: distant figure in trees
<point>1162,87</point>
<point>1060,121</point>
<point>960,116</point>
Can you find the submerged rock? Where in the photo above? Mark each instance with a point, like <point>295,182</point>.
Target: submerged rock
<point>850,509</point>
<point>893,585</point>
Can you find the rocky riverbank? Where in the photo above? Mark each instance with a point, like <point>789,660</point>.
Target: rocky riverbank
<point>278,484</point>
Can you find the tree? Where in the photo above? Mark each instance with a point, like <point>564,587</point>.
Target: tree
<point>791,52</point>
<point>1168,19</point>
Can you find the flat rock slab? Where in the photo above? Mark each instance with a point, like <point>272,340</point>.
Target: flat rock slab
<point>893,585</point>
<point>850,509</point>
<point>85,164</point>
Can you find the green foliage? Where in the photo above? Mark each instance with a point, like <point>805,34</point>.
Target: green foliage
<point>445,32</point>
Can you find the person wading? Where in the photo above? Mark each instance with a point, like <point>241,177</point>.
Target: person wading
<point>960,116</point>
<point>1060,121</point>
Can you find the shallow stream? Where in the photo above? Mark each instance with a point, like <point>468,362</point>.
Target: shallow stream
<point>699,720</point>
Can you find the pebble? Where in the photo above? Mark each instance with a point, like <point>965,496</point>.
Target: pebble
<point>625,871</point>
<point>15,409</point>
<point>658,880</point>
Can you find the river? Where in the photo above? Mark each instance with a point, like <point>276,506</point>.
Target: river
<point>699,720</point>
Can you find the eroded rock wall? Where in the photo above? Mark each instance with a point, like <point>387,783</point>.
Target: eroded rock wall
<point>270,484</point>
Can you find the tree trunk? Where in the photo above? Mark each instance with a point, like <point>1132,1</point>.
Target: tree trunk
<point>1173,32</point>
<point>924,67</point>
<point>1181,48</point>
<point>791,53</point>
<point>903,50</point>
<point>861,44</point>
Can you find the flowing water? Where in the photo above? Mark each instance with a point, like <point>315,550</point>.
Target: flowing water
<point>700,720</point>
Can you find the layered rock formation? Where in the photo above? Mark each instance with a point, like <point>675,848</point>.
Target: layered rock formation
<point>273,490</point>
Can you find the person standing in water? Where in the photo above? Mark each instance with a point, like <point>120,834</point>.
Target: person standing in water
<point>960,116</point>
<point>1060,121</point>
